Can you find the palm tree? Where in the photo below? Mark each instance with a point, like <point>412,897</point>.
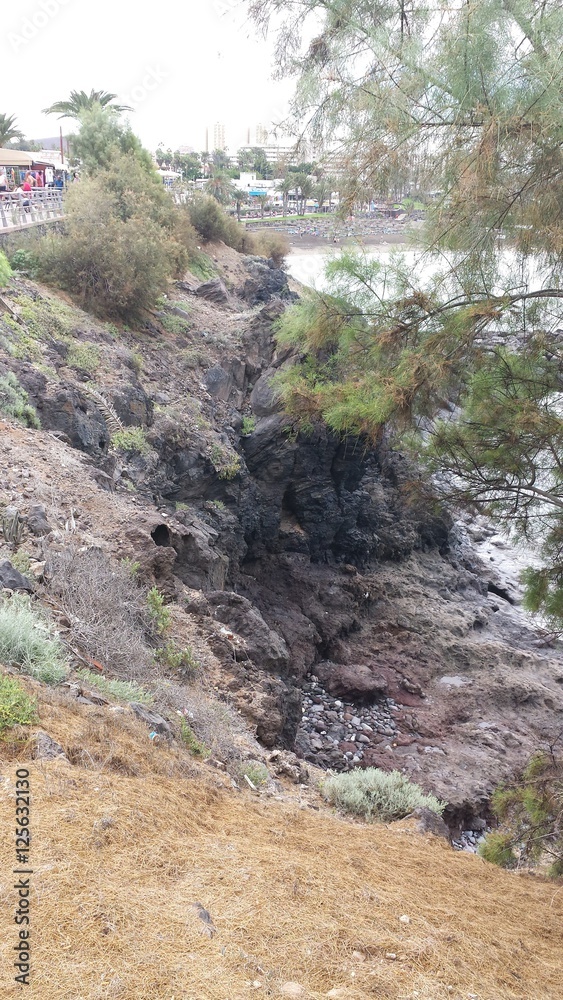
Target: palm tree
<point>80,101</point>
<point>8,131</point>
<point>219,187</point>
<point>239,197</point>
<point>286,187</point>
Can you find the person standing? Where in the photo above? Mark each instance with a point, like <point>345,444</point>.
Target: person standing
<point>49,177</point>
<point>3,179</point>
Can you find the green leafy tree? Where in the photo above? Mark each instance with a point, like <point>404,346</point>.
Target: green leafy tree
<point>79,102</point>
<point>8,129</point>
<point>460,356</point>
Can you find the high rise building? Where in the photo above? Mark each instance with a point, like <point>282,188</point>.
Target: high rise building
<point>219,136</point>
<point>261,135</point>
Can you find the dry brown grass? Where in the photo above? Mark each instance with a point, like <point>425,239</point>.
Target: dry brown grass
<point>119,862</point>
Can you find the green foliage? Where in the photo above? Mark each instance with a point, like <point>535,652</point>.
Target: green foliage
<point>182,661</point>
<point>498,850</point>
<point>256,772</point>
<point>227,463</point>
<point>23,262</point>
<point>85,357</point>
<point>158,612</point>
<point>378,795</point>
<point>13,401</point>
<point>131,566</point>
<point>119,690</point>
<point>16,707</point>
<point>201,266</point>
<point>213,224</point>
<point>28,641</point>
<point>195,746</point>
<point>248,426</point>
<point>131,439</point>
<point>5,270</point>
<point>529,811</point>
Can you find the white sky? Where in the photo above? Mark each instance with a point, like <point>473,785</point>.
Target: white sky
<point>183,65</point>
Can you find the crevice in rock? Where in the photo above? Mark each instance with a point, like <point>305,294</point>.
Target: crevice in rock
<point>161,535</point>
<point>500,592</point>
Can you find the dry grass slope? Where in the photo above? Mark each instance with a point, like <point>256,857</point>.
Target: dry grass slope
<point>131,836</point>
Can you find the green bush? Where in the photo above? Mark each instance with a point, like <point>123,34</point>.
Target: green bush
<point>13,401</point>
<point>115,265</point>
<point>213,224</point>
<point>23,261</point>
<point>131,439</point>
<point>256,772</point>
<point>379,795</point>
<point>16,707</point>
<point>182,661</point>
<point>28,641</point>
<point>120,690</point>
<point>5,270</point>
<point>195,746</point>
<point>274,245</point>
<point>158,612</point>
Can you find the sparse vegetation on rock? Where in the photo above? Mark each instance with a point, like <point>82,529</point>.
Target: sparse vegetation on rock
<point>378,795</point>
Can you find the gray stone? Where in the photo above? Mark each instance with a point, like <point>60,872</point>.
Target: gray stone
<point>153,720</point>
<point>430,822</point>
<point>47,748</point>
<point>12,579</point>
<point>37,520</point>
<point>213,291</point>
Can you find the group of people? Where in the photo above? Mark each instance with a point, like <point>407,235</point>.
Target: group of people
<point>31,180</point>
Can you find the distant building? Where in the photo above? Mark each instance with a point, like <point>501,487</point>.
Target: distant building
<point>219,136</point>
<point>261,135</point>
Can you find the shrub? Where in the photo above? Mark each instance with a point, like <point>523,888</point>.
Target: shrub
<point>23,261</point>
<point>106,608</point>
<point>131,439</point>
<point>120,690</point>
<point>5,270</point>
<point>13,401</point>
<point>248,426</point>
<point>158,612</point>
<point>83,356</point>
<point>16,707</point>
<point>182,661</point>
<point>256,772</point>
<point>195,746</point>
<point>375,794</point>
<point>115,266</point>
<point>274,245</point>
<point>28,641</point>
<point>213,224</point>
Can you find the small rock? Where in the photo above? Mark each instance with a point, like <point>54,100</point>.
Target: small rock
<point>37,520</point>
<point>404,919</point>
<point>47,748</point>
<point>292,990</point>
<point>12,579</point>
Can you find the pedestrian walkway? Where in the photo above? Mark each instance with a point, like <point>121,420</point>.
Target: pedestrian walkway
<point>18,211</point>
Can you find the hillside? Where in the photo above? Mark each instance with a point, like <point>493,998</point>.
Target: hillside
<point>327,618</point>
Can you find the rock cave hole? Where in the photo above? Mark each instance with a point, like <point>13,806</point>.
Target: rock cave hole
<point>161,535</point>
<point>500,592</point>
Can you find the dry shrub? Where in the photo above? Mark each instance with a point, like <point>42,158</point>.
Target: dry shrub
<point>213,224</point>
<point>274,245</point>
<point>107,610</point>
<point>213,722</point>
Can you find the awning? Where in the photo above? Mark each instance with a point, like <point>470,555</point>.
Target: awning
<point>15,158</point>
<point>21,158</point>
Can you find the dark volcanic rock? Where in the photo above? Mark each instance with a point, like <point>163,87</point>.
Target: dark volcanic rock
<point>213,291</point>
<point>265,281</point>
<point>12,579</point>
<point>37,520</point>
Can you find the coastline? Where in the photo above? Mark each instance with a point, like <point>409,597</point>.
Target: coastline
<point>319,244</point>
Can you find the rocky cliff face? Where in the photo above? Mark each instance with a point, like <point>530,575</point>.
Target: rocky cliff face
<point>345,618</point>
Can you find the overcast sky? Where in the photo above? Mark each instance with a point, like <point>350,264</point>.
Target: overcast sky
<point>182,64</point>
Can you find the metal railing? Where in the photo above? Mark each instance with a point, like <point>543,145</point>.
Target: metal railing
<point>20,210</point>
